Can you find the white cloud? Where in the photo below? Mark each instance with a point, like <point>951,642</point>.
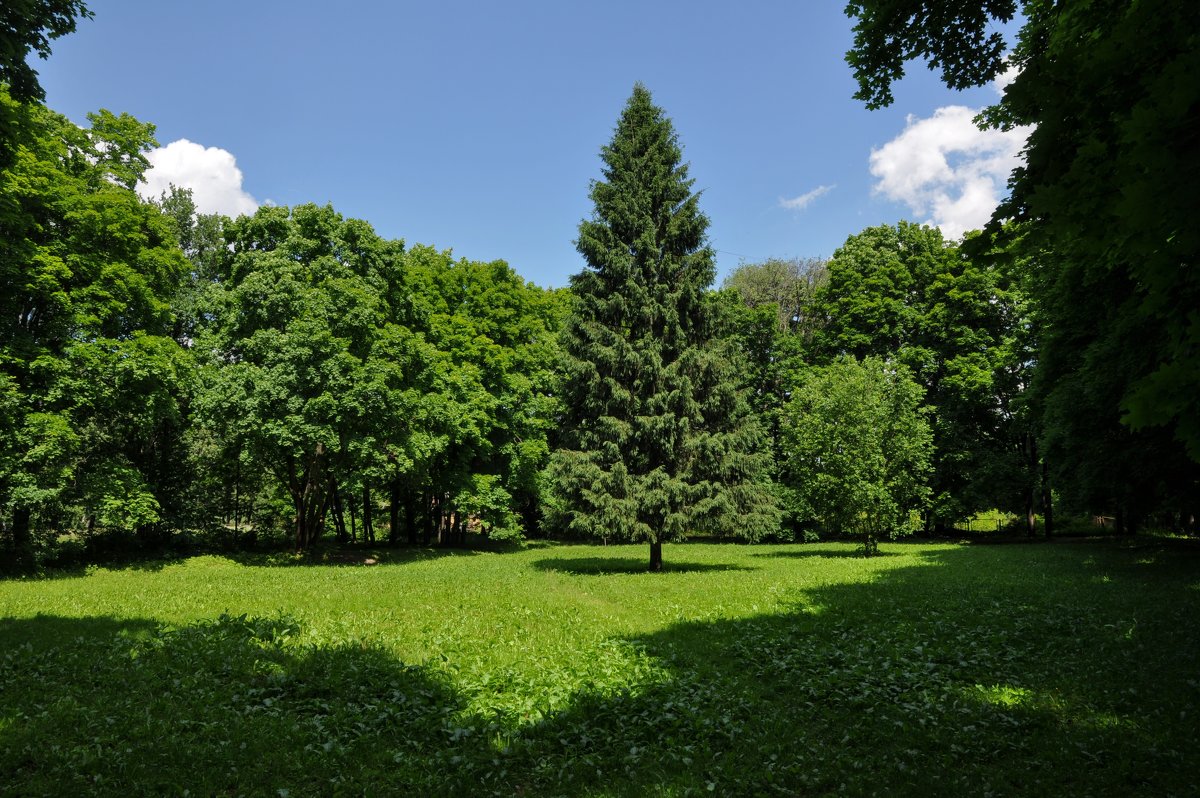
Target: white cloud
<point>804,200</point>
<point>1001,81</point>
<point>210,172</point>
<point>947,168</point>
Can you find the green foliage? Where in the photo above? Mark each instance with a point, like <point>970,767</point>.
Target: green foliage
<point>959,325</point>
<point>565,670</point>
<point>788,285</point>
<point>1116,285</point>
<point>293,337</point>
<point>120,143</point>
<point>341,363</point>
<point>95,391</point>
<point>29,26</point>
<point>658,440</point>
<point>1102,205</point>
<point>858,449</point>
<point>947,34</point>
<point>500,336</point>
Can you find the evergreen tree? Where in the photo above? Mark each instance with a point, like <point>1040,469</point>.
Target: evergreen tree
<point>659,442</point>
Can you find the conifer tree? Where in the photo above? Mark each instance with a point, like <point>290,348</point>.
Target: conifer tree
<point>659,442</point>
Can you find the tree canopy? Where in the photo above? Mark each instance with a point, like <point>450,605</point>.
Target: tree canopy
<point>1102,203</point>
<point>167,375</point>
<point>858,449</point>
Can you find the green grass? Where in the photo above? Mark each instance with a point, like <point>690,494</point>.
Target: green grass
<point>566,670</point>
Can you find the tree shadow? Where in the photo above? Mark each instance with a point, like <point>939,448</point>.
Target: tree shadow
<point>355,555</point>
<point>831,554</point>
<point>365,555</point>
<point>76,569</point>
<point>229,706</point>
<point>605,566</point>
<point>48,631</point>
<point>976,671</point>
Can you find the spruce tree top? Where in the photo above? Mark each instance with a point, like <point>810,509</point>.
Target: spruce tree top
<point>648,259</point>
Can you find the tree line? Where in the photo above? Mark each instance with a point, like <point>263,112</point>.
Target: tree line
<point>166,374</point>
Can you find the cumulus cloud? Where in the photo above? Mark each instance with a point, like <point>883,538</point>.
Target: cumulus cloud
<point>947,169</point>
<point>804,200</point>
<point>210,172</point>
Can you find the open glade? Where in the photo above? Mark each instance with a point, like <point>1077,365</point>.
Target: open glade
<point>566,670</point>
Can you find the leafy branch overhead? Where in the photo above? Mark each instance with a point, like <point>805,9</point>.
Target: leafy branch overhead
<point>26,27</point>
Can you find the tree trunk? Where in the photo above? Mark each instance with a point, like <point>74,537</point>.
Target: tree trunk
<point>339,518</point>
<point>394,513</point>
<point>441,520</point>
<point>353,527</point>
<point>656,562</point>
<point>410,516</point>
<point>368,528</point>
<point>20,528</point>
<point>429,522</point>
<point>310,496</point>
<point>237,479</point>
<point>298,504</point>
<point>1047,503</point>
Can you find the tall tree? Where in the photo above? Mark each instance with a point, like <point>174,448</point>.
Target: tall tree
<point>1105,202</point>
<point>789,285</point>
<point>769,314</point>
<point>302,357</point>
<point>93,386</point>
<point>499,335</point>
<point>659,440</point>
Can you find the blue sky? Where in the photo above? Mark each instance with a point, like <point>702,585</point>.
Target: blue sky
<point>477,126</point>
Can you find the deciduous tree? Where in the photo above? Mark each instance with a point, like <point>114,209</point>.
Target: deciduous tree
<point>903,292</point>
<point>858,448</point>
<point>1105,207</point>
<point>94,386</point>
<point>28,26</point>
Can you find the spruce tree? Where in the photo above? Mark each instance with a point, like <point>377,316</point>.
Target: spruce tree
<point>659,442</point>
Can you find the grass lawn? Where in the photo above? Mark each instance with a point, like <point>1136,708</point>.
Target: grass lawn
<point>935,669</point>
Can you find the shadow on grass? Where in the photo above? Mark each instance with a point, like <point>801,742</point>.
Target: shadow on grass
<point>222,707</point>
<point>150,563</point>
<point>832,554</point>
<point>357,554</point>
<point>49,631</point>
<point>1011,671</point>
<point>1007,670</point>
<point>601,566</point>
<point>351,554</point>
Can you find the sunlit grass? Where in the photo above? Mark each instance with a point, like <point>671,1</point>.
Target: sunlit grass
<point>570,670</point>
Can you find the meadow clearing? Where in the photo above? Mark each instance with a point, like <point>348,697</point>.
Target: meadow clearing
<point>940,669</point>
